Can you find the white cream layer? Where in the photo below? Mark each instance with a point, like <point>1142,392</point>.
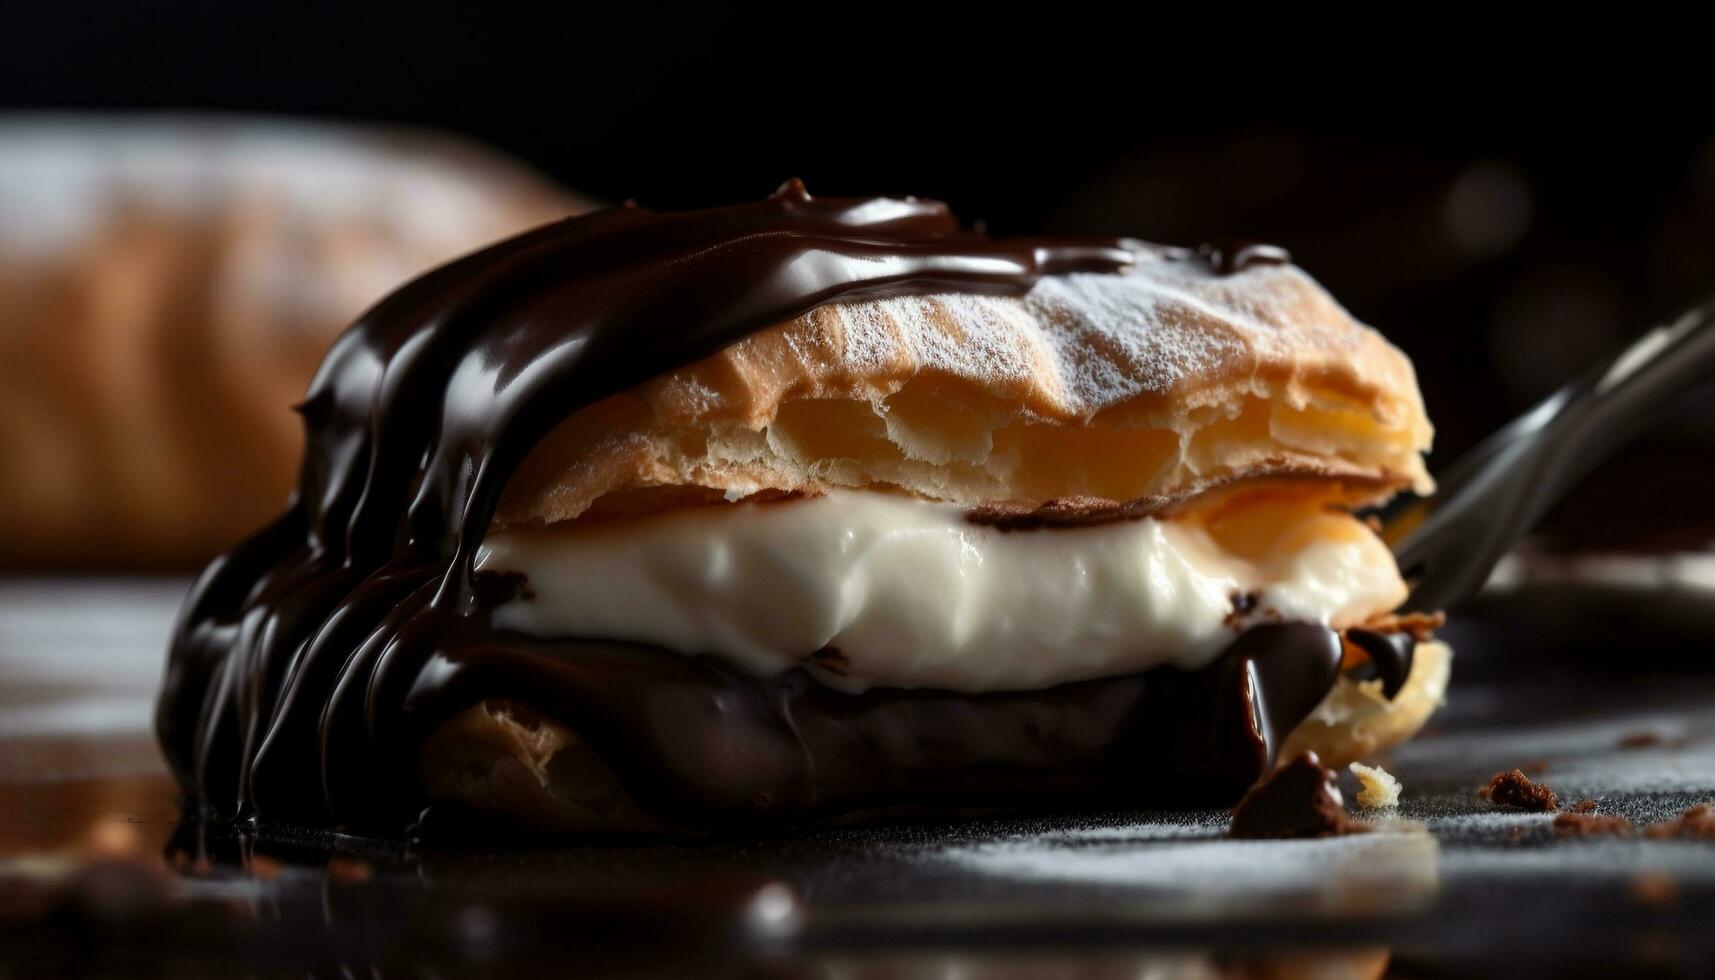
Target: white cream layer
<point>911,594</point>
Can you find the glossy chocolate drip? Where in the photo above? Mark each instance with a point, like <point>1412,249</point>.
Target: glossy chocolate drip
<point>1227,256</point>
<point>1299,800</point>
<point>310,662</point>
<point>1390,653</point>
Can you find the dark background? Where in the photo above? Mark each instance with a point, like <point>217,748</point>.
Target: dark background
<point>1505,201</point>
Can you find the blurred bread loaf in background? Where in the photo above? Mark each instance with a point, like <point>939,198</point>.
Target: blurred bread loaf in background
<point>167,287</point>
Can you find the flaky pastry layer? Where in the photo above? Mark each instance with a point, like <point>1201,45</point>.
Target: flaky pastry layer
<point>1155,384</point>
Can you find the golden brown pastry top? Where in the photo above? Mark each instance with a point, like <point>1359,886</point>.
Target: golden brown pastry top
<point>1152,385</point>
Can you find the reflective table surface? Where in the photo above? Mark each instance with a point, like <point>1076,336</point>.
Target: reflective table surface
<point>100,874</point>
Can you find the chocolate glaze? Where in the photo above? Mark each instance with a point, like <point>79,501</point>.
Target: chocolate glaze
<point>1299,800</point>
<point>1390,653</point>
<point>310,662</point>
<point>745,751</point>
<point>1227,256</point>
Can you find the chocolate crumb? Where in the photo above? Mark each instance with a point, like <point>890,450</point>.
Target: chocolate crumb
<point>1591,825</point>
<point>1515,791</point>
<point>1584,806</point>
<point>1697,823</point>
<point>1639,740</point>
<point>1299,800</point>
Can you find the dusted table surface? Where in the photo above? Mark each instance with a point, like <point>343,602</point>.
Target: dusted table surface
<point>99,874</point>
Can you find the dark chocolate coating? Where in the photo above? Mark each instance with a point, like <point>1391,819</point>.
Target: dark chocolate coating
<point>1299,800</point>
<point>1391,653</point>
<point>310,662</point>
<point>742,751</point>
<point>1228,255</point>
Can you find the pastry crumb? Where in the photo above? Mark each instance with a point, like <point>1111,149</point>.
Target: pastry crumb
<point>1377,788</point>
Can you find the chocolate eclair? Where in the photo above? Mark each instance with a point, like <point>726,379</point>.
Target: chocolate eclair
<point>814,509</point>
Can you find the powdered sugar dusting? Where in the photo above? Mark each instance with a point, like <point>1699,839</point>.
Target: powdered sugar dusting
<point>1161,325</point>
<point>878,333</point>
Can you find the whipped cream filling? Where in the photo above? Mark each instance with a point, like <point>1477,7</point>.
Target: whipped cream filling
<point>870,589</point>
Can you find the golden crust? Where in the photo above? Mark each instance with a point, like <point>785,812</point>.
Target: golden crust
<point>1153,384</point>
